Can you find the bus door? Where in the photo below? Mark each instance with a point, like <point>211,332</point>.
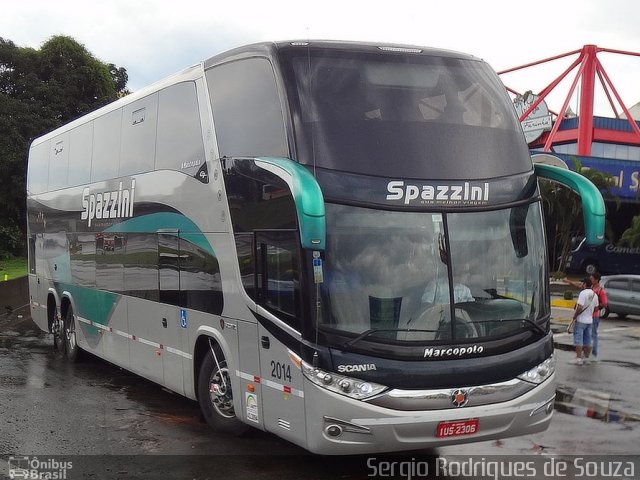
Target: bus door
<point>36,281</point>
<point>278,295</point>
<point>171,320</point>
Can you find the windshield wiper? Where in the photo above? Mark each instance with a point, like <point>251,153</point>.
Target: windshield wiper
<point>378,330</point>
<point>535,326</point>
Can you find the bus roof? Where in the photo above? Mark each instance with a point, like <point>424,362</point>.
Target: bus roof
<point>263,48</point>
<point>269,49</point>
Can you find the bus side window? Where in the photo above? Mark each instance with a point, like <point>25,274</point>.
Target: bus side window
<point>278,274</point>
<point>200,282</point>
<point>81,144</point>
<point>141,266</point>
<point>179,144</point>
<point>38,173</point>
<point>246,262</point>
<point>107,132</point>
<point>82,258</point>
<point>138,137</point>
<point>169,268</point>
<point>189,276</point>
<point>110,262</point>
<point>58,161</point>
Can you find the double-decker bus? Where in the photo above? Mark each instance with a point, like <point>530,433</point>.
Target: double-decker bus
<point>339,243</point>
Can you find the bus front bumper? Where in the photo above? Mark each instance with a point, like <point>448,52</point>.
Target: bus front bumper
<point>338,425</point>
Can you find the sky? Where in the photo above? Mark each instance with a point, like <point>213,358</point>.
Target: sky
<point>153,39</point>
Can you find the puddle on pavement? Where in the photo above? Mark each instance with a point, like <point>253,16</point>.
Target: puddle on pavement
<point>147,398</point>
<point>12,381</point>
<point>625,364</point>
<point>29,339</point>
<point>591,404</point>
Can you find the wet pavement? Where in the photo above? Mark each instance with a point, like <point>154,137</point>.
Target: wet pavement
<point>49,407</point>
<point>597,405</point>
<point>52,407</point>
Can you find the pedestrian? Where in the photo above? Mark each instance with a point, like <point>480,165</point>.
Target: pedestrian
<point>583,321</point>
<point>602,303</point>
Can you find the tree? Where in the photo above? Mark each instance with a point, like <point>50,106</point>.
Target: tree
<point>120,79</point>
<point>39,91</point>
<point>631,236</point>
<point>563,213</point>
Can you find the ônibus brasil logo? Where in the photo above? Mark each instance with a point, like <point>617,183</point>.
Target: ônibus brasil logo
<point>465,193</point>
<point>108,204</point>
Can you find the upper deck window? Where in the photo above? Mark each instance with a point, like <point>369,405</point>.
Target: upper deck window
<point>246,109</point>
<point>395,115</point>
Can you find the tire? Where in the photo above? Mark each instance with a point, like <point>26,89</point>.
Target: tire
<point>590,267</point>
<point>71,348</point>
<point>217,408</point>
<point>57,328</point>
<point>605,312</point>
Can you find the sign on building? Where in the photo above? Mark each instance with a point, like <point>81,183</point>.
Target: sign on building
<point>538,121</point>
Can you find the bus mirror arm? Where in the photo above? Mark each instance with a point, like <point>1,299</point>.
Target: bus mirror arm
<point>593,208</point>
<point>307,196</point>
<point>517,221</point>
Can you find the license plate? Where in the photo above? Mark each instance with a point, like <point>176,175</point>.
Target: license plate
<point>457,428</point>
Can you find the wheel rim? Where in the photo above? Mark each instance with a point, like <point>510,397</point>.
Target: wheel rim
<point>58,333</point>
<point>220,393</point>
<point>71,335</point>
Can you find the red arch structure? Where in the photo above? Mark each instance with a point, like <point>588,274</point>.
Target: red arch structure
<point>589,69</point>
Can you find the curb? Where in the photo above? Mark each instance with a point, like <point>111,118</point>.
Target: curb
<point>562,303</point>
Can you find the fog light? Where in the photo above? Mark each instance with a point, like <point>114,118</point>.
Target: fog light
<point>546,407</point>
<point>333,430</point>
<point>549,408</point>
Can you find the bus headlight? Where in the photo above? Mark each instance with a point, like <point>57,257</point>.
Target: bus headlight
<point>351,387</point>
<point>540,373</point>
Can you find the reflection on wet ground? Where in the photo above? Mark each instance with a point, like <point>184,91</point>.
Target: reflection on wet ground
<point>597,391</point>
<point>33,374</point>
<point>587,403</point>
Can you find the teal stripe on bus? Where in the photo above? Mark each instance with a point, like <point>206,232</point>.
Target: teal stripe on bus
<point>95,305</point>
<point>164,220</point>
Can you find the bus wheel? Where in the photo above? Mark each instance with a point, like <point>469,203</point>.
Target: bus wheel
<point>591,268</point>
<point>57,328</point>
<point>71,348</point>
<point>215,395</point>
<point>605,312</point>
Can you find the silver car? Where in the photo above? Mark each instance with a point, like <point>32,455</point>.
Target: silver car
<point>623,294</point>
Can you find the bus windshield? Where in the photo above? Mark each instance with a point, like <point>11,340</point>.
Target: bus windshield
<point>402,115</point>
<point>391,272</point>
